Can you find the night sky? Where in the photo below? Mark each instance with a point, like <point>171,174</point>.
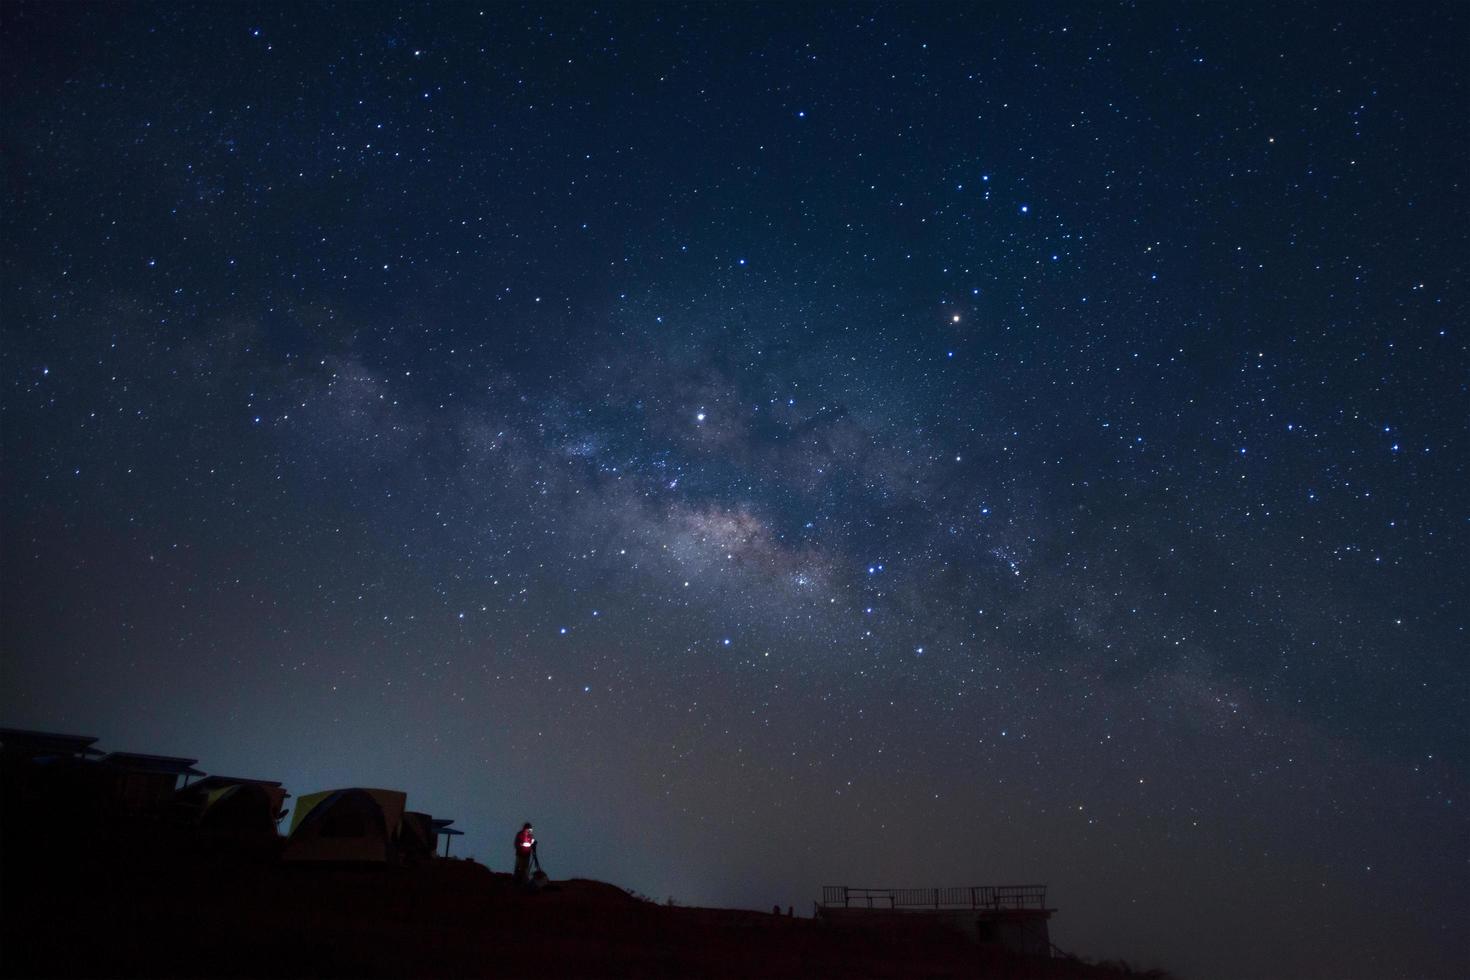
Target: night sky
<point>773,446</point>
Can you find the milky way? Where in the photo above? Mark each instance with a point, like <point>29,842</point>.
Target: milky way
<point>773,447</point>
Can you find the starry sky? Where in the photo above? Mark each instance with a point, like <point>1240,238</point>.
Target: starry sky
<point>773,446</point>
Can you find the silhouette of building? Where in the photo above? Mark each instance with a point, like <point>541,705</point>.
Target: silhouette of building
<point>1014,917</point>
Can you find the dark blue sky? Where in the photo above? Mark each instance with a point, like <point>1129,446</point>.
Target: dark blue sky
<point>771,447</point>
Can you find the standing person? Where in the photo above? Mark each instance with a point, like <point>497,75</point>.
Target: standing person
<point>525,851</point>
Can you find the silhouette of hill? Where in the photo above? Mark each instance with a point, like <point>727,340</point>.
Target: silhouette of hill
<point>137,911</point>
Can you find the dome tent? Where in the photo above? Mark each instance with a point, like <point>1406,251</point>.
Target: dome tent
<point>355,825</point>
<point>234,806</point>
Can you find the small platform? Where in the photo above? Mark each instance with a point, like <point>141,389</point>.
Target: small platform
<point>1015,917</point>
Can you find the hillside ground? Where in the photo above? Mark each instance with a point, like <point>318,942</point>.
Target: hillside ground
<point>139,912</point>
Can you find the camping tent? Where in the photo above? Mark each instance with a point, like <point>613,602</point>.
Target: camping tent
<point>234,806</point>
<point>360,825</point>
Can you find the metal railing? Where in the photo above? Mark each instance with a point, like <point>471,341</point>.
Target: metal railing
<point>981,897</point>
